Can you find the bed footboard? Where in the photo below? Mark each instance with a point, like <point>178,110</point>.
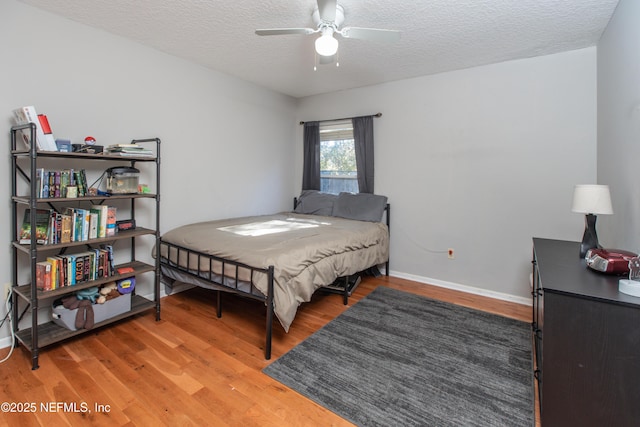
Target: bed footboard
<point>180,260</point>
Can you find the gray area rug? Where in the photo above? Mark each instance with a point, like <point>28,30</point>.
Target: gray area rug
<point>398,359</point>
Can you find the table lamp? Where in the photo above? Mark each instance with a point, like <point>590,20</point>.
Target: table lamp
<point>591,200</point>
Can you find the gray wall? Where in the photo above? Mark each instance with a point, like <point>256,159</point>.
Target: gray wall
<point>619,126</point>
<point>478,160</point>
<point>89,82</point>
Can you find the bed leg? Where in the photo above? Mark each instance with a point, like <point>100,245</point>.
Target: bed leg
<point>269,332</point>
<point>219,304</point>
<point>345,295</point>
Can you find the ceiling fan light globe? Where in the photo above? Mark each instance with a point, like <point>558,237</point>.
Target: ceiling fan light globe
<point>326,45</point>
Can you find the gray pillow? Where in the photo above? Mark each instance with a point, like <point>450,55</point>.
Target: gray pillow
<point>316,203</point>
<point>361,206</point>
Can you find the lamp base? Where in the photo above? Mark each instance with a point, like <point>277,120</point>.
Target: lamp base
<point>590,237</point>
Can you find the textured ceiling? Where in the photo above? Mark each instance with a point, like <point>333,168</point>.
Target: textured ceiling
<point>437,35</point>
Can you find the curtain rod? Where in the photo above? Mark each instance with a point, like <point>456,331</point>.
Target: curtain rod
<point>344,118</point>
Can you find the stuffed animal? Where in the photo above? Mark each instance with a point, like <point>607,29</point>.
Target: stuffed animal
<point>107,292</point>
<point>84,315</point>
<point>90,294</point>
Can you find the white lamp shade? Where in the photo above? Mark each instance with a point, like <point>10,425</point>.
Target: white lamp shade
<point>326,45</point>
<point>592,199</point>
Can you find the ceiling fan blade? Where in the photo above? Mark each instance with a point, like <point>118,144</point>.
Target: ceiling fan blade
<point>373,34</point>
<point>327,10</point>
<point>284,31</point>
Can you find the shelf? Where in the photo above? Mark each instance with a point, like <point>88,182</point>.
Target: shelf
<point>126,234</point>
<point>25,291</point>
<point>24,167</point>
<point>51,333</point>
<point>84,156</point>
<point>26,200</point>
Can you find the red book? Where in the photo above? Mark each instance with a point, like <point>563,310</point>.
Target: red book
<point>44,122</point>
<point>125,270</point>
<point>48,134</point>
<point>43,275</point>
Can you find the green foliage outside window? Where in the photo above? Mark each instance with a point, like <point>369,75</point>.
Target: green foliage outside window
<point>337,157</point>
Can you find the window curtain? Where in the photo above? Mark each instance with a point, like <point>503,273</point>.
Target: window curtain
<point>363,141</point>
<point>311,165</point>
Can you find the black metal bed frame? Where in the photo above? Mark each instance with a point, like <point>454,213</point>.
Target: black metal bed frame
<point>231,273</point>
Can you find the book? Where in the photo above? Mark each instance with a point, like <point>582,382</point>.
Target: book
<point>48,135</point>
<point>129,150</point>
<point>43,275</point>
<point>54,226</point>
<point>71,213</point>
<point>57,278</point>
<point>39,181</point>
<point>79,268</point>
<point>64,145</point>
<point>65,228</point>
<point>102,211</point>
<point>93,224</point>
<point>132,154</point>
<point>80,179</point>
<point>133,145</point>
<point>111,266</point>
<point>79,224</point>
<point>106,261</point>
<point>111,221</point>
<point>54,187</point>
<point>86,224</point>
<point>125,270</point>
<point>101,263</point>
<point>64,270</point>
<point>20,118</point>
<point>28,114</point>
<point>71,269</point>
<point>43,221</point>
<point>64,182</point>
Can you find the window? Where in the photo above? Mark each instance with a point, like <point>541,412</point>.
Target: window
<point>338,171</point>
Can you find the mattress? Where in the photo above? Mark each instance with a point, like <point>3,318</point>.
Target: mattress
<point>307,252</point>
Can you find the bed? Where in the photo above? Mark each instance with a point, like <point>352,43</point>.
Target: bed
<point>282,259</point>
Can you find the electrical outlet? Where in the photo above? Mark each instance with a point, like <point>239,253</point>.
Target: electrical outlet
<point>450,253</point>
<point>7,289</point>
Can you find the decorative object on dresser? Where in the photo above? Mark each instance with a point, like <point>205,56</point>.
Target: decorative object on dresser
<point>586,339</point>
<point>631,286</point>
<point>75,251</point>
<point>591,200</point>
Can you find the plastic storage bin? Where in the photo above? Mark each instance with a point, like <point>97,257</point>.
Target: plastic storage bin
<point>101,312</point>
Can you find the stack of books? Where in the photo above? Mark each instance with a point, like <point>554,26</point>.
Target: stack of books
<point>72,225</point>
<point>44,137</point>
<point>54,183</point>
<point>129,150</point>
<point>73,269</point>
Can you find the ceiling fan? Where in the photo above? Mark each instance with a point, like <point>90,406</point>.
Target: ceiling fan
<point>328,17</point>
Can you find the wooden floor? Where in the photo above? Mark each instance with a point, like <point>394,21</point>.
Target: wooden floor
<point>190,368</point>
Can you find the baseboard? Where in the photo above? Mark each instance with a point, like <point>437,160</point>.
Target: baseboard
<point>4,345</point>
<point>462,288</point>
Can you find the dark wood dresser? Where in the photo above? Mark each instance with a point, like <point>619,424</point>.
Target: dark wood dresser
<point>586,341</point>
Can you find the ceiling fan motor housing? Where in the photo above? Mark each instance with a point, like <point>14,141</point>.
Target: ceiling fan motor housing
<point>339,19</point>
